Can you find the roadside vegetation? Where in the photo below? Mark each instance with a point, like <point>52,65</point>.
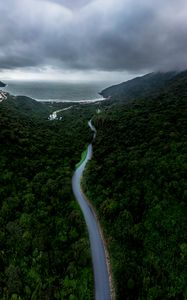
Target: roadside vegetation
<point>83,157</point>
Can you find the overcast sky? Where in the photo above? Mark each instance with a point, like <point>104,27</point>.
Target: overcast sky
<point>87,39</point>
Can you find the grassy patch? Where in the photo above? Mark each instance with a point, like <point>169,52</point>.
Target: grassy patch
<point>83,157</point>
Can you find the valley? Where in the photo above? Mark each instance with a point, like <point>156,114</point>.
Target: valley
<point>135,181</point>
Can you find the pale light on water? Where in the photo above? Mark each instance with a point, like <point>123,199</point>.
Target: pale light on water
<point>58,91</point>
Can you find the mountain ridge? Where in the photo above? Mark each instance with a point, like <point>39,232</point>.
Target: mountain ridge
<point>143,86</point>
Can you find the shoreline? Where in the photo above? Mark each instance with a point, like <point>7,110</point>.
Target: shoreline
<point>72,101</point>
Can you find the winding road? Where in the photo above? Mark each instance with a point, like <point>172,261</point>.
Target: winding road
<point>99,261</point>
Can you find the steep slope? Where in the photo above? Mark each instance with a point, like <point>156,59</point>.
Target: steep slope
<point>139,87</point>
<point>136,180</point>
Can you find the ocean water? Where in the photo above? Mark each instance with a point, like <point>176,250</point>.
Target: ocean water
<point>56,91</point>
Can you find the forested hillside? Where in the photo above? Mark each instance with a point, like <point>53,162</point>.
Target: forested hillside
<point>26,106</point>
<point>2,84</point>
<point>44,247</point>
<point>140,87</point>
<point>136,180</point>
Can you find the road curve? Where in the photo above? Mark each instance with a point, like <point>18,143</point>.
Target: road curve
<point>101,276</point>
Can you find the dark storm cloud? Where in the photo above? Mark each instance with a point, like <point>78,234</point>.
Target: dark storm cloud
<point>108,35</point>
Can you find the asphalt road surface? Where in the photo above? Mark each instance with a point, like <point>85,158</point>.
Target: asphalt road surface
<point>101,276</point>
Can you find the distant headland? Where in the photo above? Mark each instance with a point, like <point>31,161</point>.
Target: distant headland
<point>2,84</point>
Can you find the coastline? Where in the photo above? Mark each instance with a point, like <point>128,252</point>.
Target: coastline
<point>64,92</point>
<point>72,101</point>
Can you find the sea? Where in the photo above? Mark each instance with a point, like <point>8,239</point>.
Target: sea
<point>57,91</point>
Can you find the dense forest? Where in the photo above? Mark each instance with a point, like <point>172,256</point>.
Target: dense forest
<point>136,180</point>
<point>44,247</point>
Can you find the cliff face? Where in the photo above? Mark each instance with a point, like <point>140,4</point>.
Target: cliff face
<point>2,84</point>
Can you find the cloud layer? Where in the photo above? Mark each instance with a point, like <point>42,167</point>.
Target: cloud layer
<point>112,35</point>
